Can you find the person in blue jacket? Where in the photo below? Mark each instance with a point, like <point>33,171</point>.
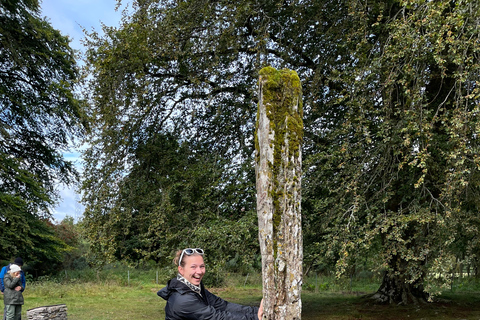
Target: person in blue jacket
<point>19,262</point>
<point>187,298</point>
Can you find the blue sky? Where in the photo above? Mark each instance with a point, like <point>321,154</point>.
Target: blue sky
<point>71,17</point>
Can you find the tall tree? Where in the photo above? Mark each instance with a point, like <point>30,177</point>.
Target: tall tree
<point>169,110</point>
<point>390,99</point>
<point>398,165</point>
<point>190,69</point>
<point>39,116</point>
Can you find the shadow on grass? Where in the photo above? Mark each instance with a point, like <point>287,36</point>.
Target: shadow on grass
<point>358,306</point>
<point>349,306</point>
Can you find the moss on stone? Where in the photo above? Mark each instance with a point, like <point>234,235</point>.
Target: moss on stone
<point>281,91</point>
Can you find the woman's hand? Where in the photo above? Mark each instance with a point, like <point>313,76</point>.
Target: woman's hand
<point>260,310</point>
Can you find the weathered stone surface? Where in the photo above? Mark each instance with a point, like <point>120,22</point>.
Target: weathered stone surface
<point>56,312</point>
<point>278,140</point>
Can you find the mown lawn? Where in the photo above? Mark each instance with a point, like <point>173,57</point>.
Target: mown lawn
<point>340,306</point>
<point>97,302</point>
<point>105,301</point>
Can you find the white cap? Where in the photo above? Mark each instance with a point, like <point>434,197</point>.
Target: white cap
<point>14,268</point>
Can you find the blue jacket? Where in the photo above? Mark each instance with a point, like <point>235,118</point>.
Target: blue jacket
<point>185,304</point>
<point>2,275</point>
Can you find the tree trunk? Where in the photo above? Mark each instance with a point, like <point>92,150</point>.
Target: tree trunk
<point>279,134</point>
<point>394,289</point>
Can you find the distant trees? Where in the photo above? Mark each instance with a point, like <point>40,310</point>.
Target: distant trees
<point>39,116</point>
<point>172,196</point>
<point>391,121</point>
<point>75,254</point>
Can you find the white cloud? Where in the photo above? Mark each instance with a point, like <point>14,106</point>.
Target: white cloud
<point>69,206</point>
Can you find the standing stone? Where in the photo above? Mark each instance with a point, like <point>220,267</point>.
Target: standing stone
<point>56,312</point>
<point>278,141</point>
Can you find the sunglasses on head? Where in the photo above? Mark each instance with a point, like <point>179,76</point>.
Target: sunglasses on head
<point>189,252</point>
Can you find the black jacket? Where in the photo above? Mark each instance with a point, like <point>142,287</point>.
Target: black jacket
<point>184,304</point>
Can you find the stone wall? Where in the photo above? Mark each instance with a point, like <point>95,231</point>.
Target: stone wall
<point>56,312</point>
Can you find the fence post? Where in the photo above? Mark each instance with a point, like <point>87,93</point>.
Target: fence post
<point>245,283</point>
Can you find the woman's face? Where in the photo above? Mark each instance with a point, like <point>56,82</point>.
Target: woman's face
<point>194,269</point>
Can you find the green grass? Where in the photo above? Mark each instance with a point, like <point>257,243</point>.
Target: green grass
<point>114,297</point>
<point>348,306</point>
<point>98,301</point>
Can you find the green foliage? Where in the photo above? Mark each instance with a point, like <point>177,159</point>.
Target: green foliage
<point>44,252</point>
<point>75,254</point>
<point>173,138</point>
<point>40,116</point>
<point>171,198</point>
<point>398,163</point>
<point>390,93</point>
<point>168,71</point>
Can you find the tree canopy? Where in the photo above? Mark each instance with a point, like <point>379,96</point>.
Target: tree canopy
<point>40,115</point>
<point>397,171</point>
<point>391,97</point>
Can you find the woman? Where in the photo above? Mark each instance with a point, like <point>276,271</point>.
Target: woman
<point>13,297</point>
<point>187,298</point>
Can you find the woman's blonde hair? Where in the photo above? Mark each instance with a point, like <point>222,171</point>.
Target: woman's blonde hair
<point>177,257</point>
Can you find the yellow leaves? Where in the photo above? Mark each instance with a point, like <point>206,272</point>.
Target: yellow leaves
<point>407,141</point>
<point>419,182</point>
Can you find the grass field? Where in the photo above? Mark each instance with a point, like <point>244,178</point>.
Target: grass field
<point>137,299</point>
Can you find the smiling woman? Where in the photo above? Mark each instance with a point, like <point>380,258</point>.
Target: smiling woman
<point>187,297</point>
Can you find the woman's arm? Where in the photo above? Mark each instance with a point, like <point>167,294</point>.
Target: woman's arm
<point>189,306</point>
<point>230,307</point>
